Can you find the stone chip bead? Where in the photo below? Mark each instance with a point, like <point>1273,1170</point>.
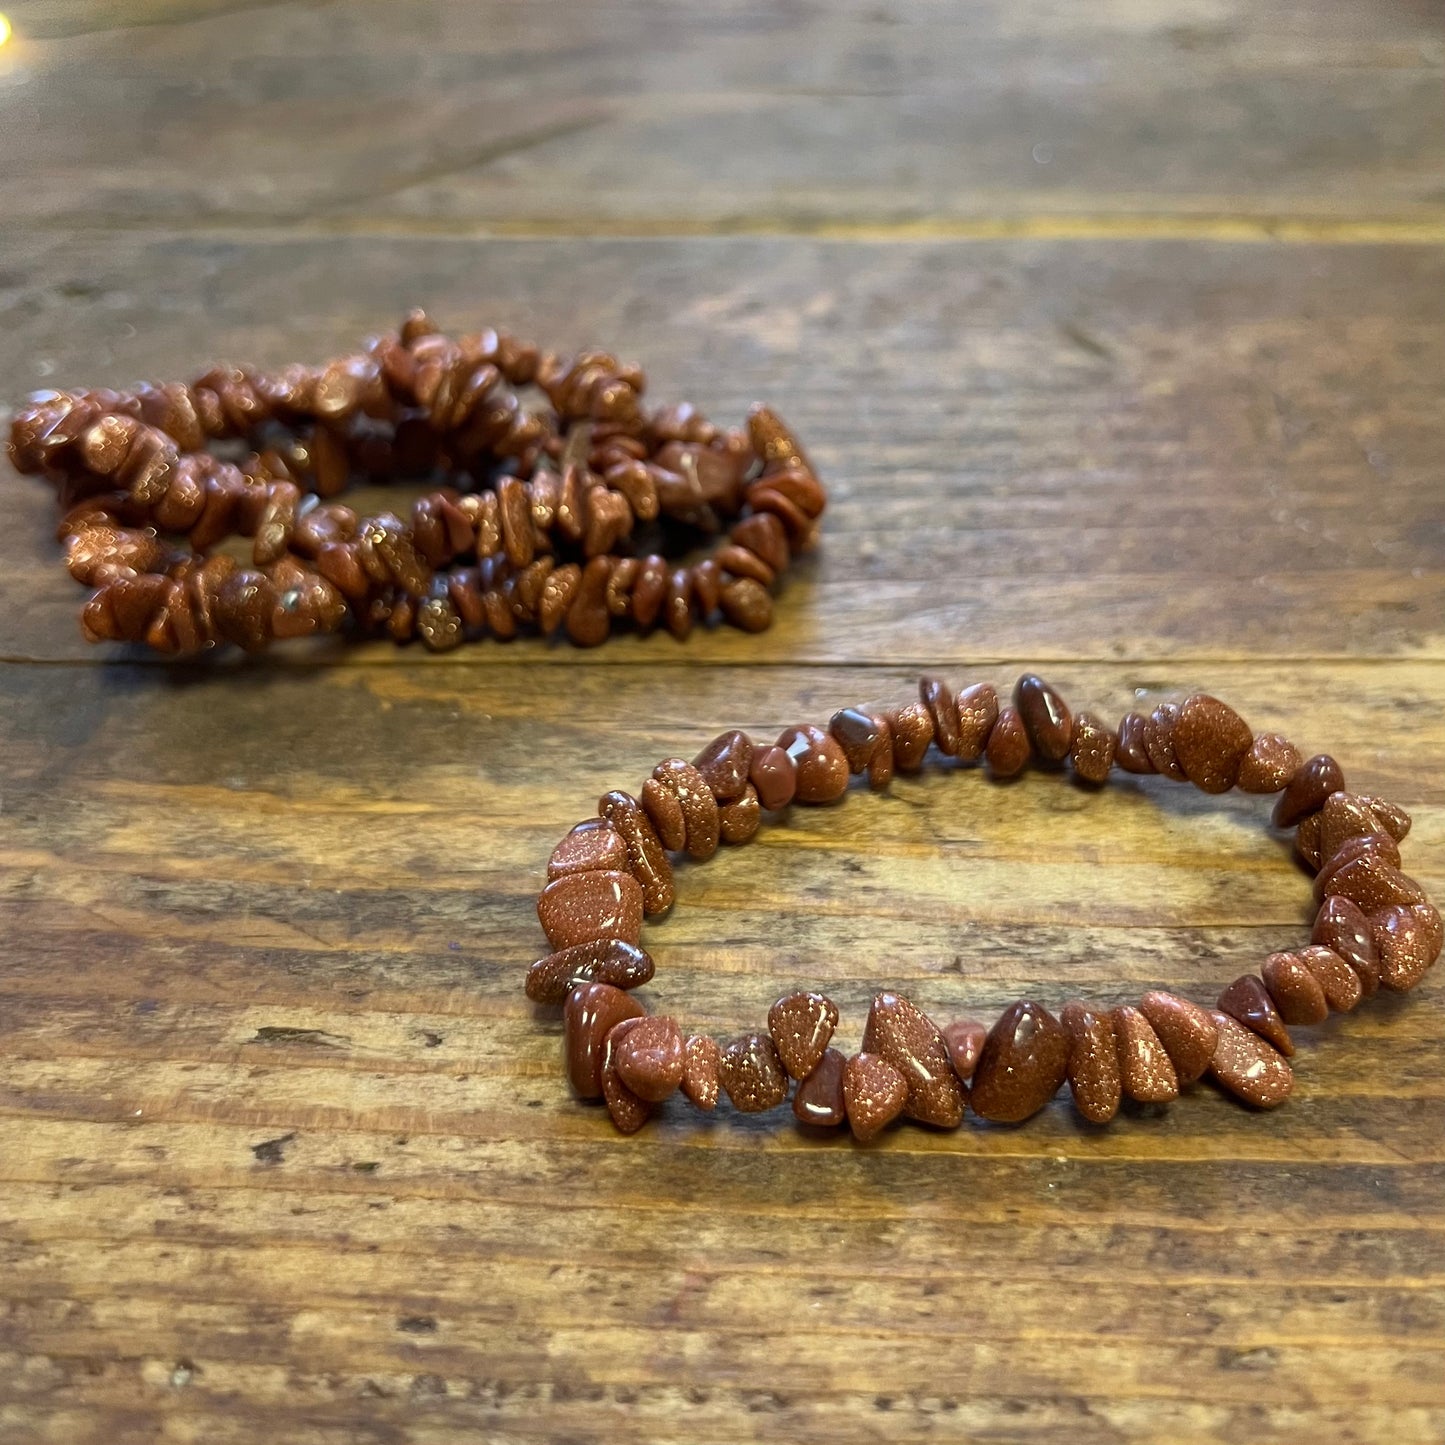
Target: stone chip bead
<point>629,1110</point>
<point>752,1074</point>
<point>1371,883</point>
<point>874,1093</point>
<point>1024,1060</point>
<point>1092,750</point>
<point>1188,1032</point>
<point>1131,754</point>
<point>902,1033</point>
<point>1008,745</point>
<point>937,697</point>
<point>1270,764</point>
<point>819,1100</point>
<point>591,1012</point>
<point>646,857</point>
<point>1045,716</point>
<point>1144,1065</point>
<point>650,1058</point>
<point>1210,742</point>
<point>1295,990</point>
<point>1340,983</point>
<point>603,960</point>
<point>593,846</point>
<point>774,777</point>
<point>1343,928</point>
<point>724,764</point>
<point>977,708</point>
<point>801,1025</point>
<point>1346,816</point>
<point>1248,1001</point>
<point>964,1042</point>
<point>858,733</point>
<point>1093,1068</point>
<point>695,802</point>
<point>739,820</point>
<point>583,907</point>
<point>1159,741</point>
<point>1314,781</point>
<point>700,1056</point>
<point>1407,938</point>
<point>1248,1066</point>
<point>820,762</point>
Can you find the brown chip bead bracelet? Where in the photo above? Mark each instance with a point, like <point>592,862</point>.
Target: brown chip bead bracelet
<point>1374,928</point>
<point>568,517</point>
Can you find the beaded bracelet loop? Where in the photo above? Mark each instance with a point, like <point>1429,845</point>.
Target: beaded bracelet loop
<point>1374,927</point>
<point>547,525</point>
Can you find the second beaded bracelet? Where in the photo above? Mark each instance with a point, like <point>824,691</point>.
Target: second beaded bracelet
<point>1374,927</point>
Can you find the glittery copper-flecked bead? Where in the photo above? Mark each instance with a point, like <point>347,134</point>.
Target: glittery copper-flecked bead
<point>1295,990</point>
<point>1144,1065</point>
<point>1092,750</point>
<point>1248,1001</point>
<point>751,1072</point>
<point>700,1056</point>
<point>912,728</point>
<point>1345,816</point>
<point>664,812</point>
<point>646,858</point>
<point>1159,740</point>
<point>902,1033</point>
<point>964,1041</point>
<point>1269,765</point>
<point>1248,1066</point>
<point>1371,883</point>
<point>1210,741</point>
<point>775,777</point>
<point>801,1024</point>
<point>1024,1060</point>
<point>1131,754</point>
<point>650,1058</point>
<point>1380,847</point>
<point>1008,745</point>
<point>937,697</point>
<point>696,804</point>
<point>1093,1068</point>
<point>1395,819</point>
<point>1311,785</point>
<point>857,733</point>
<point>1188,1032</point>
<point>819,1100</point>
<point>1045,716</point>
<point>591,1012</point>
<point>594,845</point>
<point>583,907</point>
<point>724,764</point>
<point>1340,925</point>
<point>604,960</point>
<point>738,820</point>
<point>822,767</point>
<point>1407,937</point>
<point>1340,983</point>
<point>874,1093</point>
<point>629,1111</point>
<point>977,708</point>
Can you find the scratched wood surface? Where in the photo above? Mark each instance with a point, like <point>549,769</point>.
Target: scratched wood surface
<point>284,1153</point>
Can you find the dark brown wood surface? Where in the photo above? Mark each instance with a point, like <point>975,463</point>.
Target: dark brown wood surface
<point>1118,333</point>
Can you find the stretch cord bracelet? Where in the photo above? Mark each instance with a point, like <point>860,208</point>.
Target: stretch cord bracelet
<point>562,517</point>
<point>1374,927</point>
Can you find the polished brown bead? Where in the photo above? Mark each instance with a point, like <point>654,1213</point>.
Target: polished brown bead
<point>1092,750</point>
<point>1131,755</point>
<point>880,765</point>
<point>1247,1066</point>
<point>1345,816</point>
<point>964,1042</point>
<point>649,592</point>
<point>1024,1060</point>
<point>937,697</point>
<point>1407,937</point>
<point>1342,927</point>
<point>903,1034</point>
<point>1045,716</point>
<point>724,764</point>
<point>751,1072</point>
<point>1395,819</point>
<point>801,1025</point>
<point>700,1056</point>
<point>650,1059</point>
<point>1307,840</point>
<point>775,777</point>
<point>912,728</point>
<point>244,605</point>
<point>819,1098</point>
<point>1372,884</point>
<point>1340,983</point>
<point>1093,1068</point>
<point>977,708</point>
<point>1008,745</point>
<point>745,603</point>
<point>1188,1032</point>
<point>857,733</point>
<point>591,1012</point>
<point>1144,1065</point>
<point>594,845</point>
<point>874,1093</point>
<point>1247,1000</point>
<point>1379,846</point>
<point>1295,990</point>
<point>1269,765</point>
<point>588,620</point>
<point>1210,741</point>
<point>604,960</point>
<point>1307,790</point>
<point>738,821</point>
<point>628,1110</point>
<point>1159,740</point>
<point>822,767</point>
<point>701,823</point>
<point>583,907</point>
<point>665,814</point>
<point>646,858</point>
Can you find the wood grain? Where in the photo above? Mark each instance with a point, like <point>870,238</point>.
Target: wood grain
<point>286,1155</point>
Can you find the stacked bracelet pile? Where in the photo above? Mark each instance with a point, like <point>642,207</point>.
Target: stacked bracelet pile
<point>1374,927</point>
<point>545,522</point>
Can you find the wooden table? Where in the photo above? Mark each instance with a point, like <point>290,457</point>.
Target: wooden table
<point>1119,334</point>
